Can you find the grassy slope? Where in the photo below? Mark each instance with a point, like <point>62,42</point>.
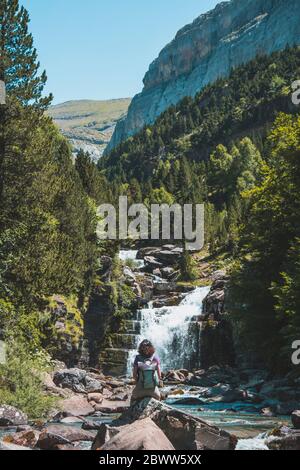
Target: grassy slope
<point>89,124</point>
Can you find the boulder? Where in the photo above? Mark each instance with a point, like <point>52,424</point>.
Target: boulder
<point>92,385</point>
<point>285,439</point>
<point>76,406</point>
<point>56,435</point>
<point>95,397</point>
<point>10,416</point>
<point>167,301</point>
<point>112,407</point>
<point>141,435</point>
<point>105,270</point>
<point>73,379</point>
<point>114,383</point>
<point>175,376</point>
<point>104,435</point>
<point>170,257</point>
<point>129,276</point>
<point>167,272</point>
<point>24,439</point>
<point>120,395</point>
<point>215,375</point>
<point>165,287</point>
<point>157,272</point>
<point>12,447</point>
<point>185,432</point>
<point>52,389</point>
<point>148,251</point>
<point>92,425</point>
<point>296,419</point>
<point>151,264</point>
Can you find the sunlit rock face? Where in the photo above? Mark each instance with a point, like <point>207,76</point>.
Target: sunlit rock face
<point>230,35</point>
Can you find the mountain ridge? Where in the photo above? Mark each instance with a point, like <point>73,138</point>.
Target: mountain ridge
<point>231,34</point>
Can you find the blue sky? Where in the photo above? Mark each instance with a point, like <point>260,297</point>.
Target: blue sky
<point>101,49</point>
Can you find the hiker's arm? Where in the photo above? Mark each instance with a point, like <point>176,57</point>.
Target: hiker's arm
<point>159,371</point>
<point>135,373</point>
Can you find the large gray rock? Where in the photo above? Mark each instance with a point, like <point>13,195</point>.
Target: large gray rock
<point>73,379</point>
<point>104,435</point>
<point>230,35</point>
<point>10,416</point>
<point>27,438</point>
<point>296,419</point>
<point>141,435</point>
<point>76,406</point>
<point>56,435</point>
<point>286,439</point>
<point>78,380</point>
<point>12,447</point>
<point>185,432</point>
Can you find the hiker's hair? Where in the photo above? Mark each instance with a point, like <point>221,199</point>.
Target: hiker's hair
<point>146,348</point>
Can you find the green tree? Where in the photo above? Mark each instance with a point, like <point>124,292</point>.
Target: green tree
<point>264,288</point>
<point>19,71</point>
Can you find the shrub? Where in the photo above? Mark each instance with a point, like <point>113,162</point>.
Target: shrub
<point>21,380</point>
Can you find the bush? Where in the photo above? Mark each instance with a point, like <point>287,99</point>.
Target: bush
<point>21,380</point>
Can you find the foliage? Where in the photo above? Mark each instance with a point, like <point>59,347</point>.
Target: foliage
<point>265,283</point>
<point>21,380</point>
<point>187,267</point>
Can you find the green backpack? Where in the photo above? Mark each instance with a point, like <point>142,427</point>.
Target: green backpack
<point>147,371</point>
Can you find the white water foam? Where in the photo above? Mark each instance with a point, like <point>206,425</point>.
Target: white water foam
<point>131,255</point>
<point>256,443</point>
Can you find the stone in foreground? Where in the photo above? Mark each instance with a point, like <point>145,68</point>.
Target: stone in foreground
<point>23,439</point>
<point>287,439</point>
<point>10,416</point>
<point>140,435</point>
<point>185,432</point>
<point>56,435</point>
<point>76,406</point>
<point>296,419</point>
<point>11,447</point>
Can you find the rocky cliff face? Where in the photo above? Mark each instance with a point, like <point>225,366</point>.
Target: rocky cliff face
<point>230,35</point>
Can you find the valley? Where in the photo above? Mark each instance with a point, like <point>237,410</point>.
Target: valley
<point>89,125</point>
<point>214,135</point>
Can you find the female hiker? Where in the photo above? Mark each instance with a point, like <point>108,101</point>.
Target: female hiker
<point>146,373</point>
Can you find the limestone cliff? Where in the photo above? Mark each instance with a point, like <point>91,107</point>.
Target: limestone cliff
<point>231,34</point>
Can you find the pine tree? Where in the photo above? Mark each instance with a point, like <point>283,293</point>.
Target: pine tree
<point>19,71</point>
<point>19,65</point>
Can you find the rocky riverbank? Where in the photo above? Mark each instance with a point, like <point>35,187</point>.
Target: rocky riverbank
<point>93,411</point>
<point>93,407</point>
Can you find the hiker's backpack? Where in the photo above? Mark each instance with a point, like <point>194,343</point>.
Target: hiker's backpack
<point>147,371</point>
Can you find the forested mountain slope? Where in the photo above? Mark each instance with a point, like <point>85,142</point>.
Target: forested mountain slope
<point>231,34</point>
<point>235,147</point>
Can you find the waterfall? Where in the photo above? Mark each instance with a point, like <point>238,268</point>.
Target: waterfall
<point>168,328</point>
<point>130,255</point>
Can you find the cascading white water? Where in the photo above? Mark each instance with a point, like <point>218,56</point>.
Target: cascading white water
<point>130,255</point>
<point>168,329</point>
